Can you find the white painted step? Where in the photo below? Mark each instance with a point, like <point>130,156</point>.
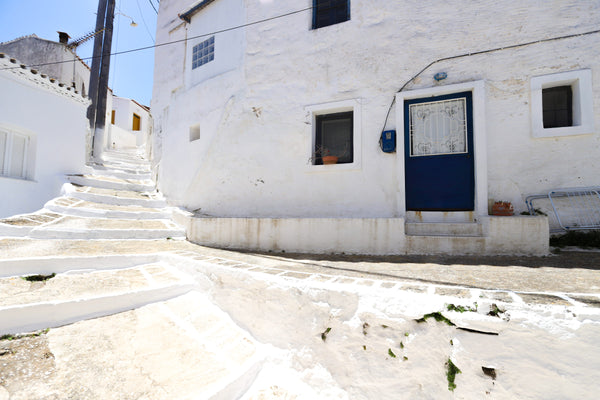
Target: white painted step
<point>80,208</point>
<point>119,170</point>
<point>167,350</point>
<point>69,227</point>
<point>67,298</point>
<point>468,229</point>
<point>445,244</point>
<point>101,170</point>
<point>117,197</point>
<point>107,182</point>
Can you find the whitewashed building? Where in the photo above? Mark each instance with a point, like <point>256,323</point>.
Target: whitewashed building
<point>434,112</point>
<point>42,136</point>
<point>131,124</point>
<point>128,123</point>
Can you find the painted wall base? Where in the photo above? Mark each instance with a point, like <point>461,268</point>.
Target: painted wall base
<point>377,236</point>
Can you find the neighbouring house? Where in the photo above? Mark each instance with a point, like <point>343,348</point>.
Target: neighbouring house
<point>43,129</point>
<point>131,125</point>
<point>60,61</point>
<point>433,111</point>
<point>54,59</point>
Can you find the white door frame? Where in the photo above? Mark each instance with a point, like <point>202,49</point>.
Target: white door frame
<point>479,138</point>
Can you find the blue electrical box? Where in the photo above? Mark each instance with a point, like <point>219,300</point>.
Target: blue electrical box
<point>388,141</point>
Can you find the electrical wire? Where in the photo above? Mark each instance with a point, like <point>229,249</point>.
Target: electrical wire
<point>175,41</point>
<point>144,21</point>
<point>514,46</point>
<point>152,4</point>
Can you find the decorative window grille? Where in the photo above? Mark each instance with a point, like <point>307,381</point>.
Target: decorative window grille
<point>203,52</point>
<point>13,154</point>
<point>438,127</point>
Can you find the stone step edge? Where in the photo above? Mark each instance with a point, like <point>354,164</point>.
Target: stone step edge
<point>69,190</point>
<point>109,214</point>
<point>36,316</point>
<point>113,170</point>
<point>103,184</point>
<point>108,234</point>
<point>62,264</point>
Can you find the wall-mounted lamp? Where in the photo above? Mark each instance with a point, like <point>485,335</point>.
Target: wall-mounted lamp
<point>440,76</point>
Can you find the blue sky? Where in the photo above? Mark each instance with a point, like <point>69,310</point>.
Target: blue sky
<point>131,74</point>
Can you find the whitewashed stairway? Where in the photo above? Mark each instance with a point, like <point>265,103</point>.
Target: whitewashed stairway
<point>113,200</point>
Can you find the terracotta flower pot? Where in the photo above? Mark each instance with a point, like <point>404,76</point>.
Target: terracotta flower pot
<point>330,160</point>
<point>502,208</point>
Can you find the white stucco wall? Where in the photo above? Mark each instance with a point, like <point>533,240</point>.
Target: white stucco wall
<point>54,118</point>
<point>251,158</point>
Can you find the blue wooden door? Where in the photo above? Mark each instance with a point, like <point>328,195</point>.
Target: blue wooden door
<point>438,153</point>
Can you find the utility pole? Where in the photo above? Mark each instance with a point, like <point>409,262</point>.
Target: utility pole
<point>99,74</point>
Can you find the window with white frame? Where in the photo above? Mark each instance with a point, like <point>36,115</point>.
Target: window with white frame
<point>203,52</point>
<point>562,104</point>
<point>336,133</point>
<point>14,149</point>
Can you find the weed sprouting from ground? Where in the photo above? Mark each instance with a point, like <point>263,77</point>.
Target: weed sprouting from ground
<point>391,353</point>
<point>24,335</point>
<point>451,372</point>
<point>461,309</point>
<point>437,316</point>
<point>324,334</point>
<point>495,311</point>
<point>38,278</point>
<point>584,239</point>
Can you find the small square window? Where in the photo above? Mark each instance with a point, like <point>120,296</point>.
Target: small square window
<point>334,138</point>
<point>562,104</point>
<point>330,12</point>
<point>203,52</point>
<point>557,103</point>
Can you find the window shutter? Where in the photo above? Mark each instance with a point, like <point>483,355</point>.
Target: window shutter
<point>17,159</point>
<point>3,137</point>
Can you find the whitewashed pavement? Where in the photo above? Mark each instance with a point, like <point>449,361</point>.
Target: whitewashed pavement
<point>128,282</point>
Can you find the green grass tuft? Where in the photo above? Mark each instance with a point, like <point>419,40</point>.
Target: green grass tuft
<point>437,316</point>
<point>38,278</point>
<point>324,334</point>
<point>451,374</point>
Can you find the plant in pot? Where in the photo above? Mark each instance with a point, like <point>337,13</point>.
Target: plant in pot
<point>323,155</point>
<point>504,208</point>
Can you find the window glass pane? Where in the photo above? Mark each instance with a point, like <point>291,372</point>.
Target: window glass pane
<point>17,159</point>
<point>329,12</point>
<point>203,52</point>
<point>557,106</point>
<point>438,127</point>
<point>2,151</point>
<point>334,137</point>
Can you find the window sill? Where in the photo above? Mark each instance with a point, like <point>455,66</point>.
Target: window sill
<point>16,178</point>
<point>333,168</point>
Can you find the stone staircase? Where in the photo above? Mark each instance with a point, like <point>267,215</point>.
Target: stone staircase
<point>114,200</point>
<point>132,311</point>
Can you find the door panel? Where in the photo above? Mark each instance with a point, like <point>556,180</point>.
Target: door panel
<point>438,153</point>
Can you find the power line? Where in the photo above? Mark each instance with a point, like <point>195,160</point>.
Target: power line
<point>514,46</point>
<point>144,21</point>
<point>177,41</point>
<point>152,4</point>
